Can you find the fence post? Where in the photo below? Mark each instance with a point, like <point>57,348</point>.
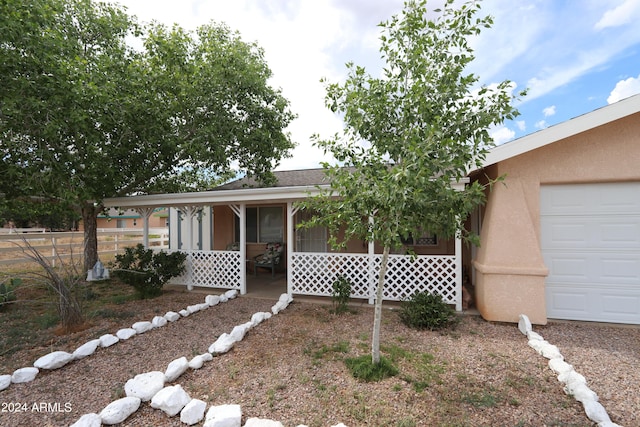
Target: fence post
<point>53,251</point>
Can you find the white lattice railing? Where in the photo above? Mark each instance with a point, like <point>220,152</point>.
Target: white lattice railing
<point>213,269</point>
<point>315,273</point>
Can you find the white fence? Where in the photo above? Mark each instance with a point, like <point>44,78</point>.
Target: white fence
<point>212,269</point>
<point>315,273</point>
<point>67,245</point>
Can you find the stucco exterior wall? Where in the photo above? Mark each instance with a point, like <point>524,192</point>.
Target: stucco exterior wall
<point>510,271</point>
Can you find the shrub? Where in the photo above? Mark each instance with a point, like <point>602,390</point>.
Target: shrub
<point>341,294</point>
<point>8,291</point>
<point>364,369</point>
<point>427,311</point>
<point>147,271</point>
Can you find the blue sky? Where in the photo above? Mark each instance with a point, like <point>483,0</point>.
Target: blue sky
<point>574,56</point>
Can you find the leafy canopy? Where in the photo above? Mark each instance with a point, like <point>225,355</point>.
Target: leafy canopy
<point>411,133</point>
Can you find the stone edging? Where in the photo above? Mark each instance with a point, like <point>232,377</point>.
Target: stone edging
<point>574,383</point>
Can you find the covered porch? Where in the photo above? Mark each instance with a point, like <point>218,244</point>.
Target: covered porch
<point>204,224</point>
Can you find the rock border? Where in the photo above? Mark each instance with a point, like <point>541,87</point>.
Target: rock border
<point>574,383</point>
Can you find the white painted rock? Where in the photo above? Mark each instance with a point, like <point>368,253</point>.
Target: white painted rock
<point>259,317</point>
<point>581,392</point>
<point>184,313</point>
<point>145,386</point>
<point>170,400</point>
<point>175,369</point>
<point>278,307</point>
<point>5,381</point>
<point>239,331</point>
<point>86,349</point>
<point>559,366</point>
<point>534,336</point>
<point>193,412</point>
<point>158,321</point>
<point>193,308</point>
<point>126,333</point>
<point>223,344</point>
<point>286,298</point>
<point>198,361</point>
<point>142,327</point>
<point>224,298</point>
<point>212,300</point>
<point>203,306</point>
<point>231,294</point>
<point>24,375</point>
<point>88,420</point>
<point>339,425</point>
<point>550,351</point>
<point>260,422</point>
<point>596,412</point>
<point>570,377</point>
<point>224,416</point>
<point>171,316</point>
<point>119,410</point>
<point>53,360</point>
<point>107,340</point>
<point>524,324</point>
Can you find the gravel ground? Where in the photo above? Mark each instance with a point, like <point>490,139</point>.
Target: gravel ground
<point>291,369</point>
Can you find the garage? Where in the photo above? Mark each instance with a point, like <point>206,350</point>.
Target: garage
<point>590,241</point>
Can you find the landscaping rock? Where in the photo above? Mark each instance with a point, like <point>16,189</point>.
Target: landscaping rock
<point>534,336</point>
<point>224,416</point>
<point>24,375</point>
<point>88,420</point>
<point>260,422</point>
<point>198,361</point>
<point>5,381</point>
<point>142,327</point>
<point>559,366</point>
<point>119,410</point>
<point>212,300</point>
<point>170,400</point>
<point>145,386</point>
<point>159,321</point>
<point>184,313</point>
<point>108,340</point>
<point>224,298</point>
<point>581,392</point>
<point>596,412</point>
<point>260,317</point>
<point>524,324</point>
<point>193,308</point>
<point>238,332</point>
<point>193,412</point>
<point>223,344</point>
<point>86,349</point>
<point>231,294</point>
<point>570,377</point>
<point>171,316</point>
<point>175,369</point>
<point>126,333</point>
<point>53,360</point>
<point>203,306</point>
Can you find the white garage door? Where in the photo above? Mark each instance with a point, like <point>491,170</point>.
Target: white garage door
<point>590,236</point>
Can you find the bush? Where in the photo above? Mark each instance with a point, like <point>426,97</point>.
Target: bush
<point>8,291</point>
<point>147,271</point>
<point>364,369</point>
<point>427,311</point>
<point>341,294</point>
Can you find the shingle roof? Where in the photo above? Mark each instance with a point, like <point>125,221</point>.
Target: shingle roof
<point>294,178</point>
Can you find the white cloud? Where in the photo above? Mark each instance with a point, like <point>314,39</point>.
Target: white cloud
<point>522,126</point>
<point>625,13</point>
<point>624,89</point>
<point>502,134</point>
<point>541,124</point>
<point>549,111</point>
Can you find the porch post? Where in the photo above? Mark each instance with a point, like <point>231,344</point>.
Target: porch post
<point>290,242</point>
<point>243,248</point>
<point>190,212</point>
<point>372,266</point>
<point>458,273</point>
<point>145,213</point>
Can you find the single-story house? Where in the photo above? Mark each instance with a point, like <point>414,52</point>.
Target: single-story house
<point>131,219</point>
<point>560,236</point>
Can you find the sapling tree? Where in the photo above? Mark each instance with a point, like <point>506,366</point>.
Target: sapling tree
<point>408,135</point>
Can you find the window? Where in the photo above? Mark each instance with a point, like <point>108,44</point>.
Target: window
<point>310,239</point>
<point>264,224</point>
<point>121,223</point>
<point>426,239</point>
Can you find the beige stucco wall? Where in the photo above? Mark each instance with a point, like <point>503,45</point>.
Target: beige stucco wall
<point>510,271</point>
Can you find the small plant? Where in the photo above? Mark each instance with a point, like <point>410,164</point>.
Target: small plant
<point>8,291</point>
<point>341,294</point>
<point>427,311</point>
<point>364,369</point>
<point>147,271</point>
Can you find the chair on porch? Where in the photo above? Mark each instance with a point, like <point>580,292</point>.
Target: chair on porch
<point>269,259</point>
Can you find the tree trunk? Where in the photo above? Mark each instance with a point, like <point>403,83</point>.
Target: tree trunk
<point>377,320</point>
<point>90,221</point>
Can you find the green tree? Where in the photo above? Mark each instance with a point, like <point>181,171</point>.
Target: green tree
<point>409,135</point>
<point>86,114</point>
